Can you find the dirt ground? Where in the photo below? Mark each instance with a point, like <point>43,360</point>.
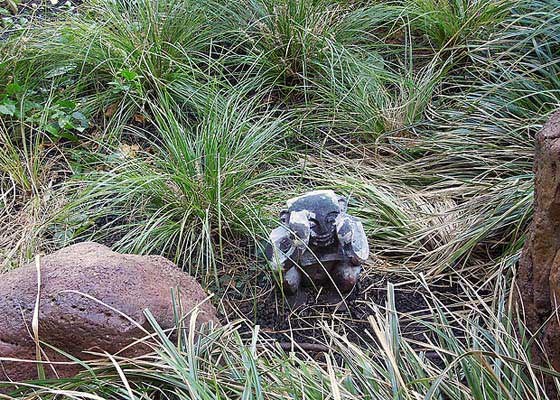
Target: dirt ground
<point>297,320</point>
<point>16,15</point>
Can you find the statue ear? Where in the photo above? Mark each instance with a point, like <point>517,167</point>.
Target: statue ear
<point>284,216</point>
<point>342,203</point>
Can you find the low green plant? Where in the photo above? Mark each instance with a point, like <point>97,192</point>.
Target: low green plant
<point>118,56</point>
<point>453,23</point>
<point>370,97</point>
<point>279,40</point>
<point>42,112</point>
<point>29,166</point>
<point>191,186</point>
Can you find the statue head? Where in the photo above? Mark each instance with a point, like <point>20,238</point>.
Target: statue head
<point>312,216</point>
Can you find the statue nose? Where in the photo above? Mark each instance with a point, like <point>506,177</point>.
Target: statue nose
<point>322,228</point>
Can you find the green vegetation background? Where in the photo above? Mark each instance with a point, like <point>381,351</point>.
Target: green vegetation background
<point>179,127</point>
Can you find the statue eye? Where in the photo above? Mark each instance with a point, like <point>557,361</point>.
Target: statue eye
<point>312,223</point>
<point>331,218</point>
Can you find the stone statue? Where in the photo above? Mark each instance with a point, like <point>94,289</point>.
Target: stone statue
<point>318,242</point>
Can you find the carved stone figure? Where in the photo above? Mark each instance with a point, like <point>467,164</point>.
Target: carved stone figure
<point>318,242</point>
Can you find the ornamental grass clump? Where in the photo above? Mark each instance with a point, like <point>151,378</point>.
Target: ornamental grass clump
<point>195,183</point>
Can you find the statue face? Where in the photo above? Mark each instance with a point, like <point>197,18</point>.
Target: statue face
<point>314,214</point>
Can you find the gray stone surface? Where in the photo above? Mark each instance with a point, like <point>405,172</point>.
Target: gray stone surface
<point>318,243</point>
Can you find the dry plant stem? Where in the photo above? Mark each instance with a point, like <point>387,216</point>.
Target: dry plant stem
<point>35,321</point>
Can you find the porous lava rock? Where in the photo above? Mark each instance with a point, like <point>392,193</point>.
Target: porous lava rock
<point>539,268</point>
<point>87,295</point>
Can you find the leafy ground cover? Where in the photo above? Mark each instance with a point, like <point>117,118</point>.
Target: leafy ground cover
<point>180,127</point>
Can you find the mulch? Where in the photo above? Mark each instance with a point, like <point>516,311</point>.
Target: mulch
<point>29,11</point>
<point>300,320</point>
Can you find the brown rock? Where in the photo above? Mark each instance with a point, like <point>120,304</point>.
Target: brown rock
<point>539,269</point>
<point>74,323</point>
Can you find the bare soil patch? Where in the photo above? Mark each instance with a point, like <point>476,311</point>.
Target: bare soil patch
<point>297,320</point>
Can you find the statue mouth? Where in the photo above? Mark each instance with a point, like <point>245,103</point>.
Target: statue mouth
<point>323,240</point>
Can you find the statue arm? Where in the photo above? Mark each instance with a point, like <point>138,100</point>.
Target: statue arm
<point>352,238</point>
<point>280,248</point>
